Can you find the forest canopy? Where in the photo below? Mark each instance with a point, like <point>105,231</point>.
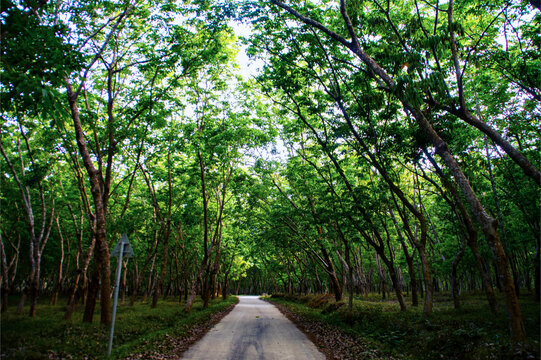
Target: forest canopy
<point>374,146</point>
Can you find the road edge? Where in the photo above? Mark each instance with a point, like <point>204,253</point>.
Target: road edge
<point>296,320</point>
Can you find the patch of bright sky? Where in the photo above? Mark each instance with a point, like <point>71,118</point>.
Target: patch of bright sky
<point>248,69</point>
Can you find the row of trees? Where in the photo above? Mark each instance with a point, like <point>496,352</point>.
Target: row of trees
<point>120,118</point>
<point>389,146</point>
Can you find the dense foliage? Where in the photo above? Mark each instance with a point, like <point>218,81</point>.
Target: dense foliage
<point>380,147</point>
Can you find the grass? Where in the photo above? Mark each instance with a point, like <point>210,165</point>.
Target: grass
<point>469,333</point>
<point>137,329</point>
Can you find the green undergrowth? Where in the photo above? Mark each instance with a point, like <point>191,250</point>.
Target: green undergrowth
<point>138,329</point>
<point>472,332</point>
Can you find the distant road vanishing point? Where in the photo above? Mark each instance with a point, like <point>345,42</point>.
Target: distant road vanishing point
<point>254,330</point>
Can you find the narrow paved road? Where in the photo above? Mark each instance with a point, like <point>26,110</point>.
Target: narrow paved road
<point>254,330</point>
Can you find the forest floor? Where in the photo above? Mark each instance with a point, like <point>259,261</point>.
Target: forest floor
<point>378,330</point>
<point>140,332</point>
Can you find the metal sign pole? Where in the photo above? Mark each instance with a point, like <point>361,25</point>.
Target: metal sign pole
<point>115,299</point>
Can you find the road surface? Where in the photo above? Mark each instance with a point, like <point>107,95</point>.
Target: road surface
<point>254,330</point>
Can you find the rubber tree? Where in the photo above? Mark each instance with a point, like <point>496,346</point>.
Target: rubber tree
<point>412,107</point>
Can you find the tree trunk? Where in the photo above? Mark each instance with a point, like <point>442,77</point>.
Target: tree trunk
<point>193,289</point>
<point>159,286</point>
<point>349,267</point>
<point>34,283</point>
<point>536,273</point>
<point>105,277</point>
<point>225,286</point>
<point>409,261</point>
<point>191,297</point>
<point>382,282</point>
<point>102,248</point>
<point>92,297</point>
<point>205,288</point>
<point>499,211</point>
<point>429,287</point>
<point>81,275</point>
<point>136,285</point>
<point>60,280</point>
<point>518,331</point>
<point>335,283</point>
<point>76,293</point>
<point>24,295</point>
<point>203,274</point>
<point>5,276</point>
<point>454,279</point>
<point>238,286</point>
<point>485,277</point>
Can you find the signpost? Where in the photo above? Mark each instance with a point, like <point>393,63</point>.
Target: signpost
<point>122,249</point>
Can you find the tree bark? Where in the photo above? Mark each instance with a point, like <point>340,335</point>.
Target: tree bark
<point>93,289</point>
<point>409,261</point>
<point>5,276</point>
<point>225,286</point>
<point>81,277</point>
<point>24,295</point>
<point>191,297</point>
<point>382,281</point>
<point>471,233</point>
<point>206,250</point>
<point>102,248</point>
<point>454,278</point>
<point>60,279</point>
<point>335,283</point>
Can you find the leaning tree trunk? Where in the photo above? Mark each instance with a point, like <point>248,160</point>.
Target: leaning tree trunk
<point>394,278</point>
<point>487,223</point>
<point>335,283</point>
<point>471,232</point>
<point>499,212</point>
<point>102,248</point>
